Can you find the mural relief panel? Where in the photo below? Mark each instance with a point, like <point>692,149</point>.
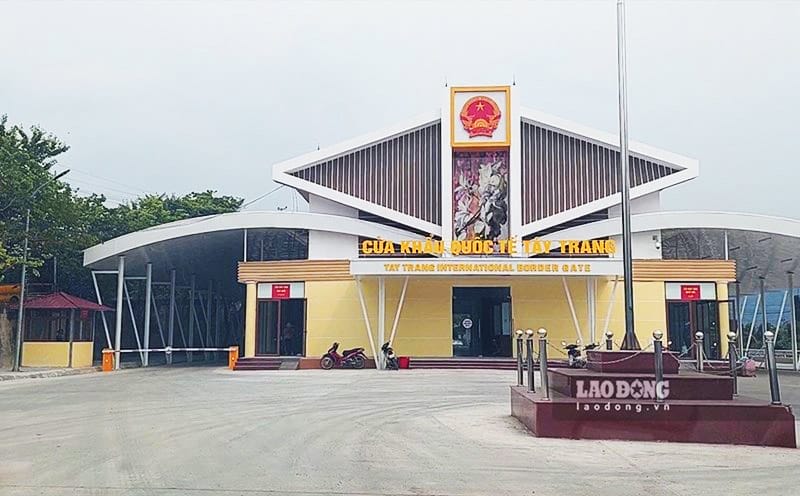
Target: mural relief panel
<point>480,195</point>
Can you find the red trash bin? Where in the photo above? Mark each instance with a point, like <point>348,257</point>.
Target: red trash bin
<point>403,362</point>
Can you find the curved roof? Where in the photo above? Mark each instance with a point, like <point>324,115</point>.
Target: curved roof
<point>654,221</point>
<point>764,247</point>
<point>239,221</point>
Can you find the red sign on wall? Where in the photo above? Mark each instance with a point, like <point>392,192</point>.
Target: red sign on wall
<point>690,292</point>
<point>282,291</point>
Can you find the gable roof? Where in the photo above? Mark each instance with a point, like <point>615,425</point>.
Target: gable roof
<point>396,173</point>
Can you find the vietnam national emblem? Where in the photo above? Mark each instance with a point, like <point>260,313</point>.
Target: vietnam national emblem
<point>480,116</point>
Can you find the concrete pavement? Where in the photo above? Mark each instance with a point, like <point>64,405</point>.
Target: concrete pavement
<point>208,431</point>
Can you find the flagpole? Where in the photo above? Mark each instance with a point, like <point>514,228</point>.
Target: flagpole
<point>630,342</point>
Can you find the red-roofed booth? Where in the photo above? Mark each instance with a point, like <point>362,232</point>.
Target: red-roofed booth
<point>59,331</point>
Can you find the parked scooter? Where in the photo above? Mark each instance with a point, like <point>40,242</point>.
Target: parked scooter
<point>389,357</point>
<point>349,359</point>
<point>575,359</point>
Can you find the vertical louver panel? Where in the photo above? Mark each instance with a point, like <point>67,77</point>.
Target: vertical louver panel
<point>402,173</point>
<point>561,172</point>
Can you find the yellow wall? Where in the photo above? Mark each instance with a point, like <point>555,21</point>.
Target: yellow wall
<point>333,313</point>
<point>425,326</point>
<point>82,354</point>
<point>44,354</point>
<point>56,354</point>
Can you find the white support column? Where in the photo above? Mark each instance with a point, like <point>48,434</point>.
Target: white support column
<point>217,314</point>
<point>199,334</point>
<point>366,318</point>
<point>780,315</point>
<point>183,335</point>
<point>133,322</point>
<point>753,323</point>
<point>192,317</point>
<point>148,294</point>
<point>209,297</point>
<point>171,326</point>
<point>610,305</point>
<point>741,311</point>
<point>381,319</point>
<point>572,310</point>
<point>118,323</point>
<point>158,320</point>
<point>399,309</point>
<point>102,314</point>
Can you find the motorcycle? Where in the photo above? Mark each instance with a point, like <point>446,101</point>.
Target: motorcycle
<point>575,359</point>
<point>389,357</point>
<point>353,358</point>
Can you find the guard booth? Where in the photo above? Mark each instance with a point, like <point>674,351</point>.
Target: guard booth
<point>59,331</point>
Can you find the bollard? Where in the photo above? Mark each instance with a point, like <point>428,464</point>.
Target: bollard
<point>529,349</point>
<point>698,350</point>
<point>543,362</point>
<point>108,360</point>
<point>609,340</point>
<point>658,356</point>
<point>519,334</point>
<point>732,361</point>
<point>772,368</point>
<point>233,355</point>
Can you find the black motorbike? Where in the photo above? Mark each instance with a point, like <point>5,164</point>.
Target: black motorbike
<point>575,358</point>
<point>389,357</point>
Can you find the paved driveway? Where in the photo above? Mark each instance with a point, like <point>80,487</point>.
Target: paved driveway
<point>204,431</point>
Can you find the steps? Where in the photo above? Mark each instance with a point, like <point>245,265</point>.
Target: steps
<point>501,363</point>
<point>258,363</point>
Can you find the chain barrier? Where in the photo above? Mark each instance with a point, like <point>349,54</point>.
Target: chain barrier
<point>688,350</point>
<point>638,352</point>
<point>557,349</point>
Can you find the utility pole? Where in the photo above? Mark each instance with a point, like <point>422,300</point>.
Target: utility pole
<point>21,316</point>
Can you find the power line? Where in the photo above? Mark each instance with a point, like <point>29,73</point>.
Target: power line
<point>104,187</point>
<point>261,197</point>
<point>113,181</point>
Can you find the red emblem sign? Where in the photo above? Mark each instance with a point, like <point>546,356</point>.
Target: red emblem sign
<point>281,291</point>
<point>690,292</point>
<point>480,116</point>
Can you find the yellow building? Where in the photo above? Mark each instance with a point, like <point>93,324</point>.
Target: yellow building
<point>443,235</point>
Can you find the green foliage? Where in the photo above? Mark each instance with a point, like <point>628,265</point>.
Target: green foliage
<point>152,210</point>
<point>63,223</point>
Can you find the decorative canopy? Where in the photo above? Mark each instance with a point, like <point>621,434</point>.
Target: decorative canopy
<point>62,301</point>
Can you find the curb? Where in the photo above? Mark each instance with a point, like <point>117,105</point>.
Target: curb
<point>47,373</point>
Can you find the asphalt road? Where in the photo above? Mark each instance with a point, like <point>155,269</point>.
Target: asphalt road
<point>204,431</point>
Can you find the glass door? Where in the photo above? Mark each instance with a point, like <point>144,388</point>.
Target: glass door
<point>679,324</point>
<point>706,319</point>
<point>267,329</point>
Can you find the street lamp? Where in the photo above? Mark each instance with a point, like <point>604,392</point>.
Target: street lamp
<point>21,316</point>
<point>629,342</point>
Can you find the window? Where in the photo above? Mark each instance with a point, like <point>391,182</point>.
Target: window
<point>53,325</point>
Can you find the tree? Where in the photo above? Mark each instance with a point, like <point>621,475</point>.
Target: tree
<point>152,210</point>
<point>64,223</point>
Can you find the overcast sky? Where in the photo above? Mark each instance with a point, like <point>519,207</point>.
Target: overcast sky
<point>182,96</point>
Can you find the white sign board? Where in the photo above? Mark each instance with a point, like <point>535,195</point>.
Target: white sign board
<point>487,267</point>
